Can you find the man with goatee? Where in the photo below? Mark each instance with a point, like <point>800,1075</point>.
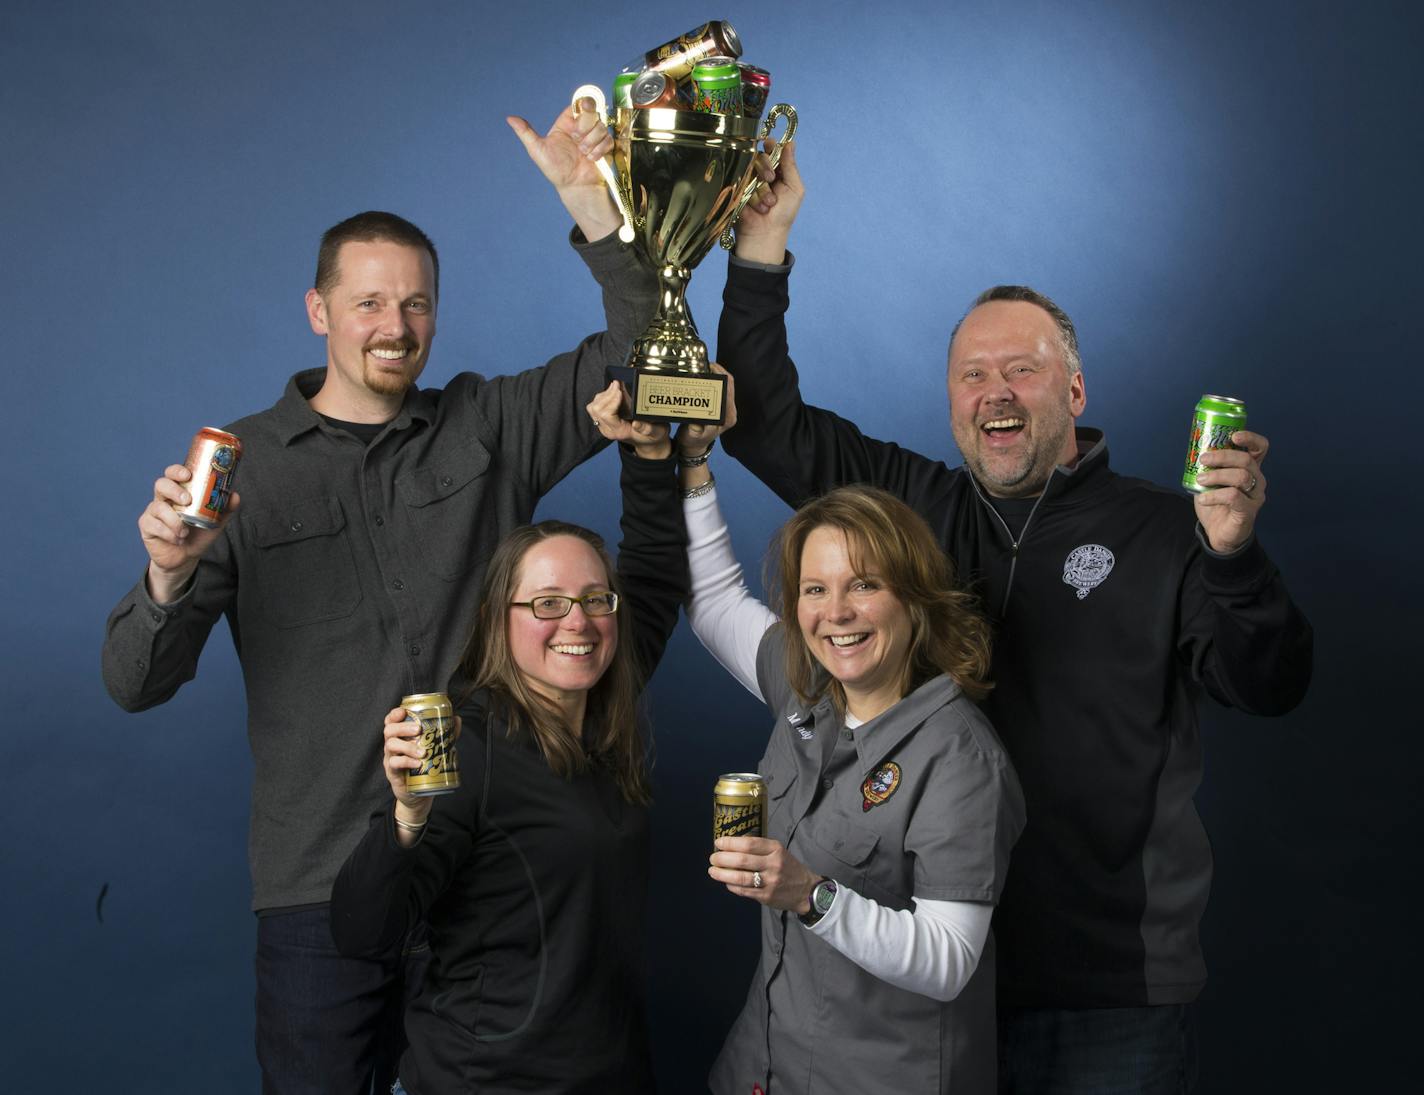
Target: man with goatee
<point>349,573</point>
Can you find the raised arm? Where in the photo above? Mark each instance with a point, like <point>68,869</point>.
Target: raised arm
<point>539,415</point>
<point>797,450</point>
<point>652,555</point>
<point>724,615</point>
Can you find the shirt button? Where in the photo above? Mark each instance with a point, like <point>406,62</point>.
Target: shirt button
<point>397,585</point>
<point>415,648</point>
<point>445,480</point>
<point>380,521</point>
<point>828,783</point>
<point>141,664</point>
<point>157,617</point>
<point>296,526</point>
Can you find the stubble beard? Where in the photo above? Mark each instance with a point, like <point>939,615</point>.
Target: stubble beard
<point>1019,475</point>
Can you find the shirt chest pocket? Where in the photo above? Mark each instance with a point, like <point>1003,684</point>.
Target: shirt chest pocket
<point>444,505</point>
<point>304,570</point>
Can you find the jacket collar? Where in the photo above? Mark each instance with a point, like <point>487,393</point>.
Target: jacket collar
<point>1066,484</point>
<point>294,416</point>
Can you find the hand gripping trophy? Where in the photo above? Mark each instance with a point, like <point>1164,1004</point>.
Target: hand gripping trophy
<point>680,178</point>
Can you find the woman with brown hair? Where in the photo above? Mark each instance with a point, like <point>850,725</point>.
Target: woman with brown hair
<point>892,805</point>
<point>533,874</point>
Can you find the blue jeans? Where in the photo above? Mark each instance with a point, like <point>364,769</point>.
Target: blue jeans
<point>327,1023</point>
<point>1098,1051</point>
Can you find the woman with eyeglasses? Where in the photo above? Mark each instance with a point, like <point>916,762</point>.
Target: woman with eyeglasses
<point>533,874</point>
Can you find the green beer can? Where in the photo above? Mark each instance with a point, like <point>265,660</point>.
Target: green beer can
<point>718,84</point>
<point>1215,419</point>
<point>623,89</point>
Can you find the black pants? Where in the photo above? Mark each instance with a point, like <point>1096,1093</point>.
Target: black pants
<point>328,1024</point>
<point>1098,1051</point>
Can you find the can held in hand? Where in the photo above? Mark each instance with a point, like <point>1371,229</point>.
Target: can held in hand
<point>439,772</point>
<point>677,58</point>
<point>212,458</point>
<point>717,83</point>
<point>739,805</point>
<point>1214,420</point>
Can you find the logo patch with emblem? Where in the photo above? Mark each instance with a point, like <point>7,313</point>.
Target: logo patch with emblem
<point>879,785</point>
<point>1086,567</point>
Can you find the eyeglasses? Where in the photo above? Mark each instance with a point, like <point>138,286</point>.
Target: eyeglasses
<point>554,607</point>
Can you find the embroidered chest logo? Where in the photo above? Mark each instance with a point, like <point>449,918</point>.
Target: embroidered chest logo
<point>1086,567</point>
<point>800,722</point>
<point>880,785</point>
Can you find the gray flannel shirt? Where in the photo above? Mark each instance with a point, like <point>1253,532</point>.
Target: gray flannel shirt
<point>350,576</point>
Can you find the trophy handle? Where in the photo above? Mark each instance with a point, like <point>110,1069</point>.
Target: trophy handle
<point>604,165</point>
<point>755,187</point>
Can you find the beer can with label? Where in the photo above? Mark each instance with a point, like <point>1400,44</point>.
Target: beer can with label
<point>439,772</point>
<point>717,86</point>
<point>1214,420</point>
<point>677,58</point>
<point>212,458</point>
<point>739,805</point>
<point>756,89</point>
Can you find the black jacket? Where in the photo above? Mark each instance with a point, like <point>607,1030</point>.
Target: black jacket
<point>534,886</point>
<point>1111,620</point>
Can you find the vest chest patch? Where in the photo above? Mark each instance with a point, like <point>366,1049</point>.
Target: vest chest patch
<point>879,785</point>
<point>1087,567</point>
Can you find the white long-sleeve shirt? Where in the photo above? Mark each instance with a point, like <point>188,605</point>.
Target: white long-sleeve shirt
<point>934,949</point>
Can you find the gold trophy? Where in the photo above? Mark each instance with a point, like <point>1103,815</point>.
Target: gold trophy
<point>680,178</point>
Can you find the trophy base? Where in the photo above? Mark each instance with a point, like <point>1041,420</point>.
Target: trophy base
<point>664,395</point>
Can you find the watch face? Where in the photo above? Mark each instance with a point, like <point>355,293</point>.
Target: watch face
<point>824,896</point>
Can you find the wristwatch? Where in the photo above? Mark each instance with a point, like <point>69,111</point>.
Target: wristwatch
<point>823,896</point>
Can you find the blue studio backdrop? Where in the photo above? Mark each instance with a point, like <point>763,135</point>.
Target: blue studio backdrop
<point>1223,194</point>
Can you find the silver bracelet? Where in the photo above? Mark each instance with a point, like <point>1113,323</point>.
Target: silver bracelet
<point>409,826</point>
<point>701,488</point>
<point>695,461</point>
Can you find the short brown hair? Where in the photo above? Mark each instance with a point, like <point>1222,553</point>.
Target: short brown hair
<point>612,702</point>
<point>1067,333</point>
<point>368,227</point>
<point>948,634</point>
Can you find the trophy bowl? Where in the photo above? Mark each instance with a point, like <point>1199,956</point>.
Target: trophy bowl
<point>680,178</point>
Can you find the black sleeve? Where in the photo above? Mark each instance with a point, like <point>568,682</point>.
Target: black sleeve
<point>1247,641</point>
<point>797,450</point>
<point>652,556</point>
<point>382,888</point>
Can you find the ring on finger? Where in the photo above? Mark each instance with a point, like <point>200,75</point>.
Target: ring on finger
<point>1251,487</point>
<point>756,880</point>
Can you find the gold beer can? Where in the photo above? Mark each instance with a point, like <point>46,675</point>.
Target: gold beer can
<point>439,772</point>
<point>739,805</point>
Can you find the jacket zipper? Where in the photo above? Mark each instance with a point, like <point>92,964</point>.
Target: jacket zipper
<point>1013,543</point>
